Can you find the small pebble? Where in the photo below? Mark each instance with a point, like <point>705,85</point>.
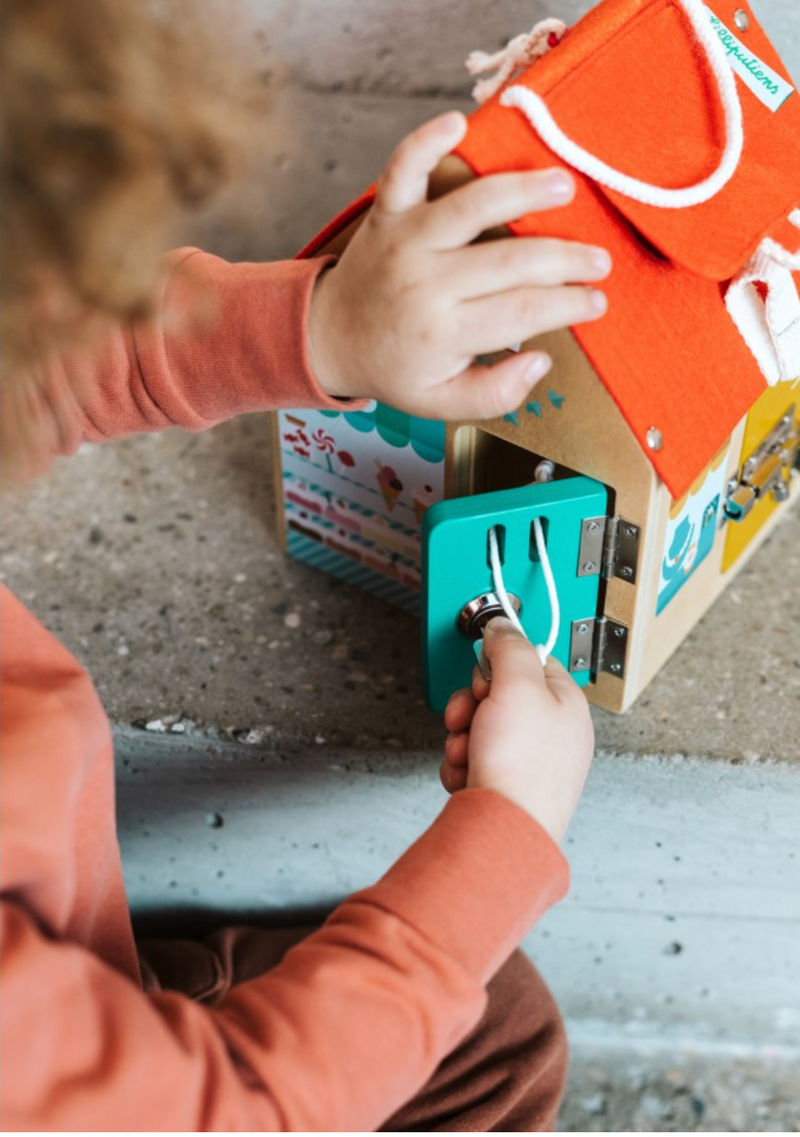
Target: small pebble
<point>155,726</point>
<point>292,620</point>
<point>214,820</point>
<point>240,578</point>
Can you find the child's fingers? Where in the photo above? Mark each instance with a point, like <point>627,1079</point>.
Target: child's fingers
<point>459,710</point>
<point>480,685</point>
<point>485,203</point>
<point>404,182</point>
<point>503,265</point>
<point>456,749</point>
<point>486,392</point>
<point>453,778</point>
<point>514,660</point>
<point>514,317</point>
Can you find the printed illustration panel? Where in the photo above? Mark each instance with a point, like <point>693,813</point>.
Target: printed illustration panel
<point>692,530</point>
<point>358,484</point>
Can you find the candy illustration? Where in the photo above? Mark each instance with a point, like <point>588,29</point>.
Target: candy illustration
<point>325,442</point>
<point>424,498</point>
<point>390,485</point>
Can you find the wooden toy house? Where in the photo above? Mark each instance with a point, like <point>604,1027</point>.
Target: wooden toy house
<point>685,414</point>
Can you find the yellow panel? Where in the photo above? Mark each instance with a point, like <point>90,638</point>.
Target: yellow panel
<point>771,406</point>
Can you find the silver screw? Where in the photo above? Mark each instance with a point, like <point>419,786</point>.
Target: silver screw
<point>616,668</point>
<point>654,438</point>
<point>583,629</point>
<point>590,566</point>
<point>619,633</point>
<point>631,530</point>
<point>741,19</point>
<point>579,664</point>
<point>626,572</point>
<point>592,526</point>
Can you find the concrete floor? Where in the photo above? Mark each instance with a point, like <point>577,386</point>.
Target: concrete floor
<point>169,585</point>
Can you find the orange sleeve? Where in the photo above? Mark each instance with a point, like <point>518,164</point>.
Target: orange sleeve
<point>345,1030</point>
<point>228,339</point>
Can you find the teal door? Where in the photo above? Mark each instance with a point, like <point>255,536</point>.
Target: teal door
<point>456,570</point>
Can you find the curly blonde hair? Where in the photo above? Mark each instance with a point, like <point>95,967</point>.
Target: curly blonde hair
<point>111,124</point>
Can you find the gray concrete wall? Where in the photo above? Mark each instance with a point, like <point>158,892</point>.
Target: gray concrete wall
<point>346,79</point>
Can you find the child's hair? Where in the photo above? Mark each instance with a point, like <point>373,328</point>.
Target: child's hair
<point>111,123</point>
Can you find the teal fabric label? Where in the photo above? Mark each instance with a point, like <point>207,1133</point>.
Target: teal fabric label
<point>763,81</point>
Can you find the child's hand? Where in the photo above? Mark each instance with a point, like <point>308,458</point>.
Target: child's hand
<point>527,734</point>
<point>412,301</point>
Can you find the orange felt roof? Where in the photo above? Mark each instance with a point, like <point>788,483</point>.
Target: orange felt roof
<point>631,86</point>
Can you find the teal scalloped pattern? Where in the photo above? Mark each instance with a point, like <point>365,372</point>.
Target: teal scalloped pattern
<point>426,437</point>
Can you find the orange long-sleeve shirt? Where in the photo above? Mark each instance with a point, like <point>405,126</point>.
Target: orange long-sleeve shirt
<point>357,1017</point>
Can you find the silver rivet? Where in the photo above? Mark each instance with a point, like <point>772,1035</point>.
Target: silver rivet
<point>654,439</point>
<point>583,629</point>
<point>590,566</point>
<point>741,19</point>
<point>579,664</point>
<point>619,633</point>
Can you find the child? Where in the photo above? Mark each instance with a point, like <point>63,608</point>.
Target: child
<point>381,1017</point>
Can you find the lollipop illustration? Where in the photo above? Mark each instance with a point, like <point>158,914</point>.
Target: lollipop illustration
<point>325,442</point>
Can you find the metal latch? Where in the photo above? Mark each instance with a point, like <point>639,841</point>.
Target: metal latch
<point>766,471</point>
<point>609,547</point>
<point>598,645</point>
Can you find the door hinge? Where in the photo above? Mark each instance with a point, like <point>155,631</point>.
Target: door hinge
<point>766,471</point>
<point>609,547</point>
<point>598,644</point>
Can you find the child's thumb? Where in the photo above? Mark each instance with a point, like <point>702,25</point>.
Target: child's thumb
<point>509,652</point>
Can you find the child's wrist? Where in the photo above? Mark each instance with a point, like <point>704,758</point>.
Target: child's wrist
<point>321,334</point>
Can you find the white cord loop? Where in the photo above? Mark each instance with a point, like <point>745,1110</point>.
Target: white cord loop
<point>543,650</point>
<point>535,110</point>
<point>770,327</point>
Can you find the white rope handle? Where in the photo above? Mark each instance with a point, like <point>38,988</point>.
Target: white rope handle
<point>535,110</point>
<point>543,650</point>
<point>783,257</point>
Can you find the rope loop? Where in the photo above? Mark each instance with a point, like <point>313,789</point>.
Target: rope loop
<point>535,110</point>
<point>543,650</point>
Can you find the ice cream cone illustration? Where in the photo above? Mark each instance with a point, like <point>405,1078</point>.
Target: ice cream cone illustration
<point>424,498</point>
<point>390,485</point>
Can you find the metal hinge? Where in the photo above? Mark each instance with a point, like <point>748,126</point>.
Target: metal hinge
<point>598,645</point>
<point>766,471</point>
<point>609,547</point>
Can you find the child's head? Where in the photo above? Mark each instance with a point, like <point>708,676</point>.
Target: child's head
<point>111,124</point>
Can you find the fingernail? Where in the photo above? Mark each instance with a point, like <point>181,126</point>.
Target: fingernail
<point>600,261</point>
<point>450,121</point>
<point>598,301</point>
<point>538,366</point>
<point>498,624</point>
<point>561,186</point>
